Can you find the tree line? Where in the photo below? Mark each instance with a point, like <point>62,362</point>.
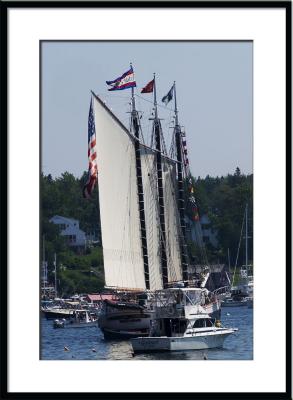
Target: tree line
<point>222,199</point>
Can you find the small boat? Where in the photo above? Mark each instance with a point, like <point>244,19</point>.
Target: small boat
<point>188,328</point>
<point>57,312</point>
<point>232,302</point>
<point>78,319</point>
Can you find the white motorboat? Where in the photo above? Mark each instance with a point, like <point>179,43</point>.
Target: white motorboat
<point>188,328</point>
<point>57,312</point>
<point>78,319</point>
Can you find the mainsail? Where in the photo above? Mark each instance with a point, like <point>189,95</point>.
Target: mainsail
<point>119,207</point>
<point>148,165</point>
<point>123,258</point>
<point>173,233</point>
<point>123,261</point>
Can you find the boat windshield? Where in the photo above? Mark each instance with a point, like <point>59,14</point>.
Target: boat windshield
<point>193,297</point>
<point>202,323</point>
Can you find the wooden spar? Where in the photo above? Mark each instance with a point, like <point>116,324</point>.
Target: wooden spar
<point>157,131</point>
<point>136,127</point>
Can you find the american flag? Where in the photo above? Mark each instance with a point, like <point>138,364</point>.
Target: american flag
<point>92,156</point>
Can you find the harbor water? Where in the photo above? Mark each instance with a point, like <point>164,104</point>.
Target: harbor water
<point>89,344</point>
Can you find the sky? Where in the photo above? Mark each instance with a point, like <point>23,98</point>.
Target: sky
<point>214,98</point>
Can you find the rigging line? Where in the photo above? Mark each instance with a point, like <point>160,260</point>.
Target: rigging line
<point>199,236</point>
<point>172,196</point>
<point>154,276</point>
<point>154,193</point>
<point>197,226</point>
<point>167,244</point>
<point>107,94</point>
<point>151,233</point>
<point>151,101</point>
<point>160,230</point>
<point>167,126</point>
<point>173,200</point>
<point>172,147</point>
<point>123,251</point>
<point>153,186</point>
<point>176,209</point>
<point>133,226</point>
<point>239,244</point>
<point>163,140</point>
<point>136,258</point>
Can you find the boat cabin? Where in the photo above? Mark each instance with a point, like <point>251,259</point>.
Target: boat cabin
<point>182,296</point>
<point>180,326</point>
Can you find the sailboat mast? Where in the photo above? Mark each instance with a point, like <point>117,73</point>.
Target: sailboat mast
<point>246,238</point>
<point>44,265</point>
<point>135,125</point>
<point>157,131</point>
<point>181,207</point>
<point>55,265</point>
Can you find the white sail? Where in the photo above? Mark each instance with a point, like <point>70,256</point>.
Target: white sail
<point>150,188</point>
<point>120,224</point>
<point>118,197</point>
<point>171,221</point>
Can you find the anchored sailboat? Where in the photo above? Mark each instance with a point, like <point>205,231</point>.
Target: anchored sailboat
<point>140,239</point>
<point>242,293</point>
<point>133,181</point>
<point>142,212</point>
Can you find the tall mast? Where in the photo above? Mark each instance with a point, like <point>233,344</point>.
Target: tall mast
<point>55,264</point>
<point>135,124</point>
<point>181,207</point>
<point>157,131</point>
<point>246,238</point>
<point>44,265</point>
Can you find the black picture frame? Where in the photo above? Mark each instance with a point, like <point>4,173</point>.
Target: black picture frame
<point>4,200</point>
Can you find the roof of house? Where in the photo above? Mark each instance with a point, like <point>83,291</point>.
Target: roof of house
<point>100,296</point>
<point>63,219</point>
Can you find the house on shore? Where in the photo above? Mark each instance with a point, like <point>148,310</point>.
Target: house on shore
<point>69,228</point>
<point>209,235</point>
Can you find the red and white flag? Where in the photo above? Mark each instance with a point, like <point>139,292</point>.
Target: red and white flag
<point>92,156</point>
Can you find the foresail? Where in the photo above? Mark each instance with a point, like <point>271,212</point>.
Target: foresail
<point>171,221</point>
<point>148,165</point>
<point>120,225</point>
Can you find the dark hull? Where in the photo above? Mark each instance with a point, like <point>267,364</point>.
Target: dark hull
<point>124,320</point>
<point>115,335</point>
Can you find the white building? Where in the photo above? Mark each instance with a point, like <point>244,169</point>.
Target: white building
<point>209,235</point>
<point>70,229</point>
